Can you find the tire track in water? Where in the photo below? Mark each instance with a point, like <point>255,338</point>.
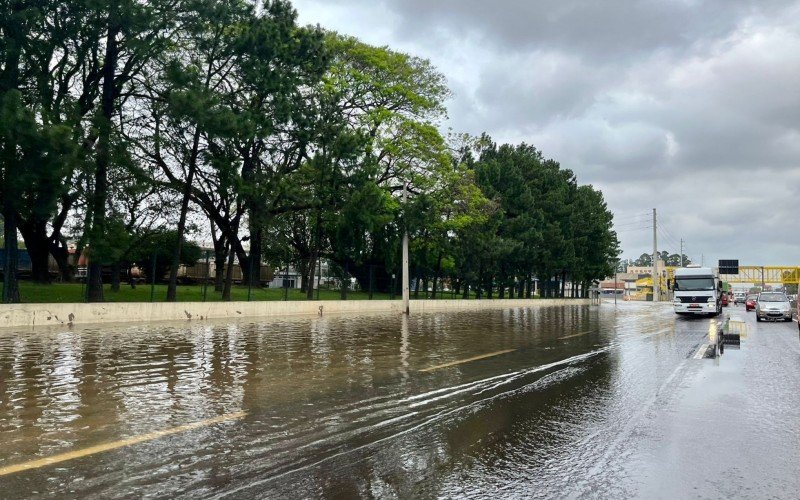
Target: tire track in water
<point>421,406</point>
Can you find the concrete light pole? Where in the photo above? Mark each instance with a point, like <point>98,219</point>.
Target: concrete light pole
<point>656,288</point>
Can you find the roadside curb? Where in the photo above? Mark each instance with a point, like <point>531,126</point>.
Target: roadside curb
<point>44,315</point>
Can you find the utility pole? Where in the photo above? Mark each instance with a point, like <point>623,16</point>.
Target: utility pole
<point>405,258</point>
<point>656,287</point>
<point>681,252</point>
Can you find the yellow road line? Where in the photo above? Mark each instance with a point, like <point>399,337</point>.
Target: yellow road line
<point>454,363</point>
<point>71,455</point>
<point>575,335</point>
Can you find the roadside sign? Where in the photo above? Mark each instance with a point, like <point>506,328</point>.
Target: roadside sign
<point>729,266</point>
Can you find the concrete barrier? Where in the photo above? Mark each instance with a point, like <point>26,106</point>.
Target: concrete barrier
<point>43,315</point>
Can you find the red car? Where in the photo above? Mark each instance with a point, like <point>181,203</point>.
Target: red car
<point>750,303</point>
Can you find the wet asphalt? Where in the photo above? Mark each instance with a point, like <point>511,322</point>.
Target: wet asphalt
<point>576,402</point>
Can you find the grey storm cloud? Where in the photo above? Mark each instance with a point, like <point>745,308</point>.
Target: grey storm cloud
<point>690,106</point>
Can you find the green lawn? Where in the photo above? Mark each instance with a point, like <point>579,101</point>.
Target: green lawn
<point>74,292</point>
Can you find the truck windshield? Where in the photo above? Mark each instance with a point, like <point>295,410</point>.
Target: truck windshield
<point>694,284</point>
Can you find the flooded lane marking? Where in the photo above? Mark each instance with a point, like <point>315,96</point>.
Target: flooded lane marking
<point>100,448</point>
<point>575,335</point>
<point>701,351</point>
<point>468,360</point>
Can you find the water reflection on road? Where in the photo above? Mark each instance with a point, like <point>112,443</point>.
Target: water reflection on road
<point>548,401</point>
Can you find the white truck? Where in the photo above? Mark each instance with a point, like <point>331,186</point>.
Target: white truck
<point>697,290</point>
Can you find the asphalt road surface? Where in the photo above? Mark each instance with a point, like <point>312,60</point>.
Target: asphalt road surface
<point>609,401</point>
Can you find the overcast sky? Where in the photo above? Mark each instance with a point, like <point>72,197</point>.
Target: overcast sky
<point>688,106</point>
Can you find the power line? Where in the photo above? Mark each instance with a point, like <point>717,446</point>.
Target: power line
<point>633,229</point>
<point>623,226</point>
<point>629,220</point>
<point>668,239</point>
<point>668,232</point>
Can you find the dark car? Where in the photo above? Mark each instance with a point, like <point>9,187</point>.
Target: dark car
<point>750,302</point>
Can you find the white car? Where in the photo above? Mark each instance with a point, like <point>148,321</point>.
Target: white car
<point>773,306</point>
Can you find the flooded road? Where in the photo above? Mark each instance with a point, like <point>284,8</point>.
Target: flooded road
<point>573,401</point>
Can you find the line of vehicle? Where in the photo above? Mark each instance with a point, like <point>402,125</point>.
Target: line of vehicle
<point>468,360</point>
<point>113,445</point>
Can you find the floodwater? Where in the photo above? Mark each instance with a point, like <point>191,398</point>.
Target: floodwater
<point>571,401</point>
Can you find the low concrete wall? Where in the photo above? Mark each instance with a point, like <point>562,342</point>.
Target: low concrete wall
<point>42,315</point>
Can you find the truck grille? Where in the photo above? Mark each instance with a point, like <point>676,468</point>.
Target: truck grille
<point>693,300</point>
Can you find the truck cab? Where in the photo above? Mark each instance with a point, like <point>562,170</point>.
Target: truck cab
<point>697,291</point>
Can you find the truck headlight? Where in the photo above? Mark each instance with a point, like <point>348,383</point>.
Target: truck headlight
<point>711,299</point>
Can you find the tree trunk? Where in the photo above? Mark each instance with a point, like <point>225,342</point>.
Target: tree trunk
<point>221,249</point>
<point>310,277</point>
<point>115,278</point>
<point>60,252</point>
<point>345,281</point>
<point>314,256</point>
<point>40,261</point>
<point>172,287</point>
<point>226,291</point>
<point>253,275</point>
<point>466,291</point>
<point>302,270</point>
<point>436,274</point>
<point>102,162</point>
<point>11,257</point>
<point>9,81</point>
<point>479,283</point>
<point>219,269</point>
<point>34,233</point>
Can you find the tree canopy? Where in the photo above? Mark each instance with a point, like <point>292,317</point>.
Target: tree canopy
<point>130,127</point>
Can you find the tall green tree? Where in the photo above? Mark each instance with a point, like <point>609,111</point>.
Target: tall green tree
<point>132,33</point>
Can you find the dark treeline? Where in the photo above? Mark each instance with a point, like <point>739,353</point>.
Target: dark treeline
<point>130,125</point>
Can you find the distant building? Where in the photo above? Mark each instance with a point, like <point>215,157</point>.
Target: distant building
<point>646,270</point>
<point>625,284</point>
